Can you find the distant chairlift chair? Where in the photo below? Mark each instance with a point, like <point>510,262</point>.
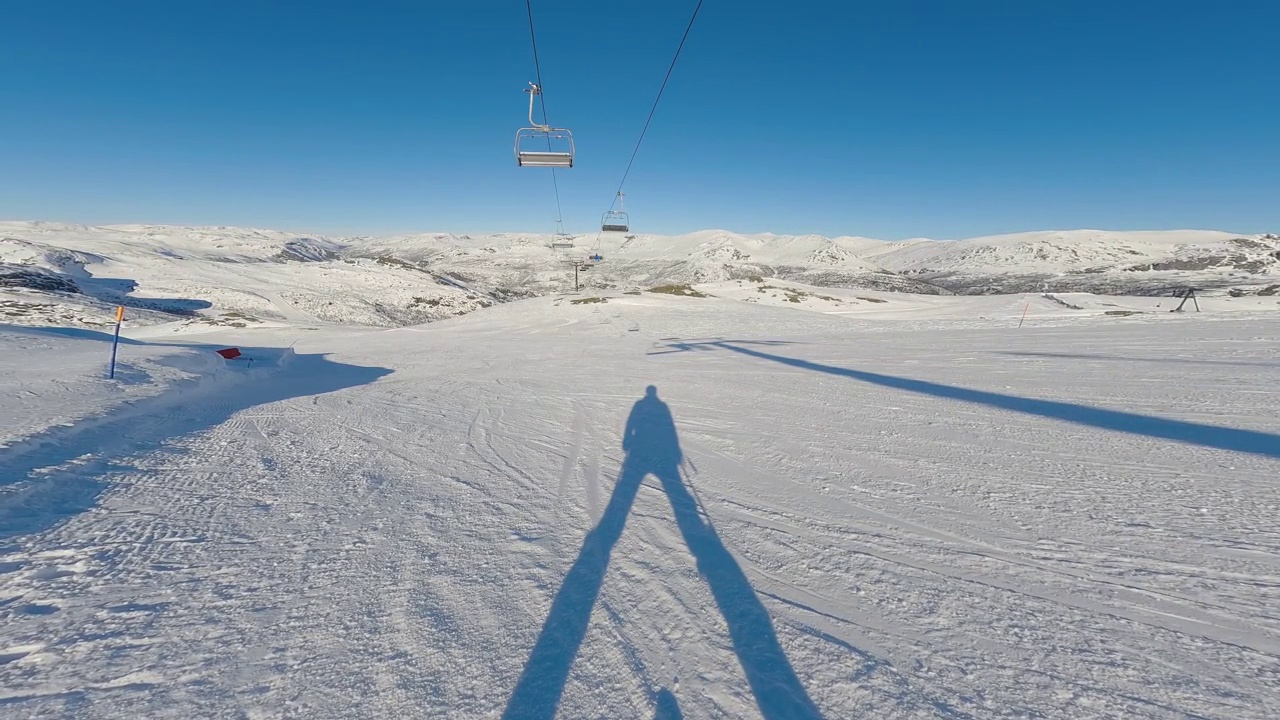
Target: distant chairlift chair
<point>616,220</point>
<point>561,239</point>
<point>531,141</point>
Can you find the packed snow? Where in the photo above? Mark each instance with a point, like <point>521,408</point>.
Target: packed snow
<point>746,498</point>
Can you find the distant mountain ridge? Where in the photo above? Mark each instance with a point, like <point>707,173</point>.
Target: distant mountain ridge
<point>273,275</point>
<point>1092,261</point>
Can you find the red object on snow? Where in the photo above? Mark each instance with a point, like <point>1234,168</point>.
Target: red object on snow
<point>229,353</point>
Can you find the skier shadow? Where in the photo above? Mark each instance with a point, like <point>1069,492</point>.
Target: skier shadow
<point>653,447</point>
<point>1211,436</point>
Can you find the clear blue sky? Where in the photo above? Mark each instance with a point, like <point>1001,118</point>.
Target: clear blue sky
<point>885,118</point>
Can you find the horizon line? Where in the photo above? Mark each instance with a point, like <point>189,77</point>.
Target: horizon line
<point>338,235</point>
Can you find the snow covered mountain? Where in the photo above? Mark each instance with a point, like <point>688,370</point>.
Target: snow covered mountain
<point>1088,261</point>
<point>58,273</point>
<point>213,275</point>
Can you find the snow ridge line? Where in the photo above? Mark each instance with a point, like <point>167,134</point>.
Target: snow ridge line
<point>571,458</point>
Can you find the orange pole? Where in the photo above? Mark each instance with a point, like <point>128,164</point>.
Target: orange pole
<point>115,343</point>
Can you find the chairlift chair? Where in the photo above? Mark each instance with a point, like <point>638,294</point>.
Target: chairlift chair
<point>561,239</point>
<point>530,141</point>
<point>616,220</point>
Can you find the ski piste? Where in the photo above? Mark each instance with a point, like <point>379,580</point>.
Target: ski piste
<point>898,513</point>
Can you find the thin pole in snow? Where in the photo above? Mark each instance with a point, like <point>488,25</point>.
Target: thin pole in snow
<point>1024,313</point>
<point>115,343</point>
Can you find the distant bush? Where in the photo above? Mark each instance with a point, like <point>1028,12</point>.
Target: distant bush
<point>681,290</point>
<point>397,263</point>
<point>588,301</point>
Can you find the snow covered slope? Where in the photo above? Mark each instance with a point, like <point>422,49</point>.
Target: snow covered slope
<point>53,273</point>
<point>491,516</point>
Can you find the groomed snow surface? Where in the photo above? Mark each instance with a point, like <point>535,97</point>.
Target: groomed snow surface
<point>915,511</point>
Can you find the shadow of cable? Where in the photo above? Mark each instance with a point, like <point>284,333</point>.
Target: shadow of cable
<point>1212,436</point>
<point>653,447</point>
<point>1126,358</point>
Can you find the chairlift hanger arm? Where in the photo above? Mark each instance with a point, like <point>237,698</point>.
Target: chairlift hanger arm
<point>534,91</point>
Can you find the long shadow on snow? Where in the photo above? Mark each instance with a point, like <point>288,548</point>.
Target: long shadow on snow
<point>1213,436</point>
<point>50,498</point>
<point>1126,358</point>
<point>652,447</point>
<point>117,291</point>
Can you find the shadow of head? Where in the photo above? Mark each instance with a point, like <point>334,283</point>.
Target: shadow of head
<point>650,436</point>
<point>668,708</point>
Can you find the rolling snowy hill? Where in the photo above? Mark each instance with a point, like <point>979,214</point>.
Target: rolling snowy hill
<point>54,273</point>
<point>1090,261</point>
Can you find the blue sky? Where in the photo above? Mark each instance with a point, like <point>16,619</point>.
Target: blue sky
<point>884,118</point>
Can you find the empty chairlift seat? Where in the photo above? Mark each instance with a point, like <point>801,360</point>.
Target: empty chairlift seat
<point>541,145</point>
<point>536,147</point>
<point>615,222</point>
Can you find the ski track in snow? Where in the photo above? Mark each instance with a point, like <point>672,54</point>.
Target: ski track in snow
<point>382,530</point>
